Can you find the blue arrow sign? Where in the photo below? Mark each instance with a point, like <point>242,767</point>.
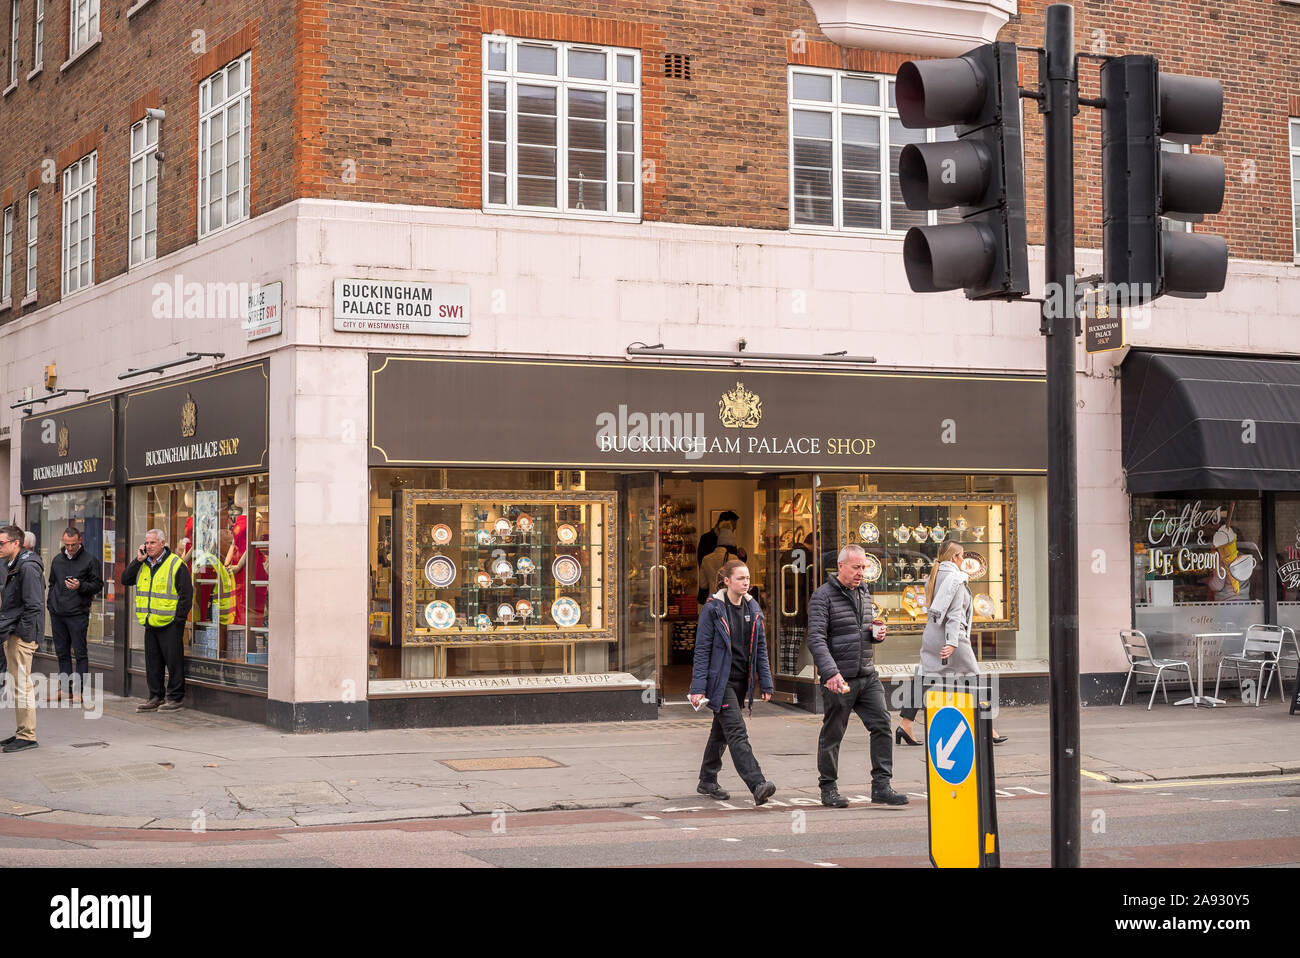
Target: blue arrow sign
<point>951,743</point>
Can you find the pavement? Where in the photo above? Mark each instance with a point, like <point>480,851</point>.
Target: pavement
<point>192,771</point>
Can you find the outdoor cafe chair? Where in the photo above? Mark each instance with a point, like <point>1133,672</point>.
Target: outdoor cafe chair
<point>1263,651</point>
<point>1141,662</point>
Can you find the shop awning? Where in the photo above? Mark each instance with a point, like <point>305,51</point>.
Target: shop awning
<point>1194,422</point>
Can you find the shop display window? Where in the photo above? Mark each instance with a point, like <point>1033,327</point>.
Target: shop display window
<point>220,529</point>
<point>1286,524</point>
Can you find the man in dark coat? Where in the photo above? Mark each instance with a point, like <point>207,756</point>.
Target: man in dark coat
<point>730,654</point>
<point>74,583</point>
<point>22,623</point>
<point>840,620</point>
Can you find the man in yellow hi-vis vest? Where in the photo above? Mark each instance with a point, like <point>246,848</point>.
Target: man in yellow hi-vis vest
<point>163,596</point>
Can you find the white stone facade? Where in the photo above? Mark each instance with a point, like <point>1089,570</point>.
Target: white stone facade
<point>550,287</point>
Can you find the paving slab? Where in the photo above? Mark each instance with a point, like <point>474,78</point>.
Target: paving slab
<point>381,815</point>
<point>9,807</point>
<point>281,794</point>
<point>1126,775</point>
<point>487,808</point>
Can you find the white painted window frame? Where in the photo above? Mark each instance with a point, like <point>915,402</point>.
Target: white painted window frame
<point>1293,123</point>
<point>33,235</point>
<point>7,257</point>
<point>611,87</point>
<point>14,20</point>
<point>84,193</point>
<point>144,170</point>
<point>209,111</point>
<point>38,37</point>
<point>83,24</point>
<point>838,109</point>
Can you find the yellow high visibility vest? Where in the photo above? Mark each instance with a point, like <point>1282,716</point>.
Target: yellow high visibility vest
<point>156,597</point>
<point>225,593</point>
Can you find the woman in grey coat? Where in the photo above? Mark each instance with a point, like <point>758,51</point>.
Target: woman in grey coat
<point>945,645</point>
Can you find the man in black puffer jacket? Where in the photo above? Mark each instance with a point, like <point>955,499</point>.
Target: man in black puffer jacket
<point>74,583</point>
<point>840,619</point>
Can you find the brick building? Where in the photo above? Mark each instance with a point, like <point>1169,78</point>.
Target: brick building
<point>455,219</point>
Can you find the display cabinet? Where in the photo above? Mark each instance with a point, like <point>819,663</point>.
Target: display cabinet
<point>507,567</point>
<point>901,535</point>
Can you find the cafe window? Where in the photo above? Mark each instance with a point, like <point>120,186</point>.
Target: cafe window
<point>92,512</point>
<point>1286,519</point>
<point>1197,568</point>
<point>220,528</point>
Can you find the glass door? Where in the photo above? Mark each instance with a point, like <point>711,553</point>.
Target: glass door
<point>786,536</point>
<point>644,579</point>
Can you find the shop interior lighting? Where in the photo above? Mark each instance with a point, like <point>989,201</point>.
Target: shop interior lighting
<point>188,358</point>
<point>739,357</point>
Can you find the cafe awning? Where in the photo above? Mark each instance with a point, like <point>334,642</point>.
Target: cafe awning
<point>1200,422</point>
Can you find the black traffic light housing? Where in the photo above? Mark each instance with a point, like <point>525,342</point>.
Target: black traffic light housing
<point>981,173</point>
<point>1141,182</point>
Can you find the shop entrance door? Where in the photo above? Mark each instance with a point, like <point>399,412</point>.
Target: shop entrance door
<point>644,577</point>
<point>789,537</point>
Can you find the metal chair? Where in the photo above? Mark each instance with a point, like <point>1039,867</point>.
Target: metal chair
<point>1141,661</point>
<point>1263,650</point>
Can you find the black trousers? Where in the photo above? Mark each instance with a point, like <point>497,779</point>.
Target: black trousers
<point>165,646</point>
<point>69,632</point>
<point>866,697</point>
<point>729,732</point>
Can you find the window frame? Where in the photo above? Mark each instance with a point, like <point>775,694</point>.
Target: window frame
<point>245,98</point>
<point>87,187</point>
<point>1293,124</point>
<point>7,256</point>
<point>15,21</point>
<point>33,235</point>
<point>38,37</point>
<point>611,87</point>
<point>75,25</point>
<point>147,158</point>
<point>837,109</point>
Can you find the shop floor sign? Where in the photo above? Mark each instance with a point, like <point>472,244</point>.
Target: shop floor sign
<point>959,773</point>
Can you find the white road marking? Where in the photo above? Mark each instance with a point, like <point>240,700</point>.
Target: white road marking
<point>826,864</point>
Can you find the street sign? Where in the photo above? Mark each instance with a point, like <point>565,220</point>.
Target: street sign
<point>1103,326</point>
<point>959,767</point>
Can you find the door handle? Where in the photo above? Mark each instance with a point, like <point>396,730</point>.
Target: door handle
<point>662,604</point>
<point>784,611</point>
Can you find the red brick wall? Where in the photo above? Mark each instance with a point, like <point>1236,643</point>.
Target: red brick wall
<point>149,60</point>
<point>387,98</point>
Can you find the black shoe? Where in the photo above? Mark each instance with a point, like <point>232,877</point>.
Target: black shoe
<point>19,745</point>
<point>149,706</point>
<point>999,739</point>
<point>763,793</point>
<point>885,795</point>
<point>832,798</point>
<point>6,741</point>
<point>902,738</point>
<point>713,790</point>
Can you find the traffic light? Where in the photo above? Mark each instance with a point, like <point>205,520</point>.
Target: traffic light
<point>981,173</point>
<point>1142,182</point>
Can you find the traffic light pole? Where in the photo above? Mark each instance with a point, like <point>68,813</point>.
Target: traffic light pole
<point>1061,93</point>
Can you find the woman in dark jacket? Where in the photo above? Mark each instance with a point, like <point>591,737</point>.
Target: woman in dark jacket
<point>730,653</point>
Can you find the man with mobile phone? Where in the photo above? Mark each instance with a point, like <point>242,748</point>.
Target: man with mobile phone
<point>74,583</point>
<point>163,596</point>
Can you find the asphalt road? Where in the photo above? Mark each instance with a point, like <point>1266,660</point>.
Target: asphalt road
<point>1217,823</point>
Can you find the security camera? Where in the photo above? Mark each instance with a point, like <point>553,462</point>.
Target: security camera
<point>153,113</point>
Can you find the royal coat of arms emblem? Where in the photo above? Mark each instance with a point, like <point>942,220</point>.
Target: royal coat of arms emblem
<point>740,408</point>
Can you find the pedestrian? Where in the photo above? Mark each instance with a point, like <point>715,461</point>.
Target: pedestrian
<point>842,629</point>
<point>29,541</point>
<point>945,645</point>
<point>22,623</point>
<point>730,658</point>
<point>722,534</point>
<point>163,596</point>
<point>74,583</point>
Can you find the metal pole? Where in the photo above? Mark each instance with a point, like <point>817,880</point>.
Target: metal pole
<point>1062,494</point>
